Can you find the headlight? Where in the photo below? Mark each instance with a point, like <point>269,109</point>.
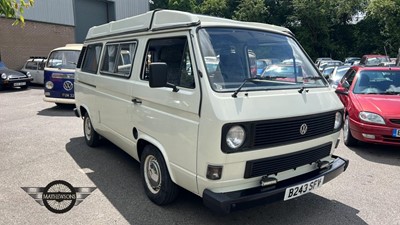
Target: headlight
<point>338,120</point>
<point>235,137</point>
<point>28,74</point>
<point>371,117</point>
<point>49,85</point>
<point>3,76</point>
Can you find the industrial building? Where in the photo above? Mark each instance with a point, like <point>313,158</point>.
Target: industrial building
<point>51,24</point>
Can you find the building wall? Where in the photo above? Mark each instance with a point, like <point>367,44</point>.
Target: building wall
<point>35,39</point>
<point>51,11</point>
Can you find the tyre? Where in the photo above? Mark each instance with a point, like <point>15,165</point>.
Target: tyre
<point>157,183</point>
<point>92,138</point>
<point>348,139</point>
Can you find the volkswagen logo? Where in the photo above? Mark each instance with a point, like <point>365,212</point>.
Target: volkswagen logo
<point>303,129</point>
<point>68,85</point>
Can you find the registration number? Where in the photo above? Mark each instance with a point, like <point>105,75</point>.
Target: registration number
<point>19,84</point>
<point>67,95</point>
<point>396,133</point>
<point>301,189</point>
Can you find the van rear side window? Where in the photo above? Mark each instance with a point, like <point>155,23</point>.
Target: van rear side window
<point>92,58</point>
<point>118,58</point>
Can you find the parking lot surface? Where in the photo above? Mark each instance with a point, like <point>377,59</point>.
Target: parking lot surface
<point>40,143</point>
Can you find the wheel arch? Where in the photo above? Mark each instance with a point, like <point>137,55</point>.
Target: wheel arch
<point>145,140</point>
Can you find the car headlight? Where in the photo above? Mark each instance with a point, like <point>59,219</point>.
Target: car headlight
<point>235,137</point>
<point>28,74</point>
<point>3,76</point>
<point>338,120</point>
<point>49,85</point>
<point>371,117</point>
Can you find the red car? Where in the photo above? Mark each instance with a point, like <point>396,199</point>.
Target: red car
<point>371,96</point>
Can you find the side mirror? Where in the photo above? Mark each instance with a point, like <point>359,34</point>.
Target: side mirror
<point>342,90</point>
<point>158,74</point>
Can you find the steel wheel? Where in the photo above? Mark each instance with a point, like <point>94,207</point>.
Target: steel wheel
<point>152,174</point>
<point>91,136</point>
<point>348,139</point>
<point>157,183</point>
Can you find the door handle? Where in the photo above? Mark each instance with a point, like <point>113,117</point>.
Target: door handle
<point>137,101</point>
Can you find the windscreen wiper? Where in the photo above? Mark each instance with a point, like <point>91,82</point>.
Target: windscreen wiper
<point>392,93</point>
<point>253,79</point>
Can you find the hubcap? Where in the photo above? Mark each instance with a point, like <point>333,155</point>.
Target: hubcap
<point>152,174</point>
<point>88,128</point>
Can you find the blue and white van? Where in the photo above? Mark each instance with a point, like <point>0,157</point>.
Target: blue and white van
<point>59,74</point>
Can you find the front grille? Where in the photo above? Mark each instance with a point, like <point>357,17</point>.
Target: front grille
<point>391,139</point>
<point>276,164</point>
<point>396,121</point>
<point>284,131</point>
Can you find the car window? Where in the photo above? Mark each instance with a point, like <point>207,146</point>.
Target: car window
<point>31,65</point>
<point>175,53</point>
<point>91,58</point>
<point>118,59</point>
<point>349,76</point>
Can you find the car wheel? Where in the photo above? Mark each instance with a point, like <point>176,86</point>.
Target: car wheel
<point>157,183</point>
<point>92,138</point>
<point>348,139</point>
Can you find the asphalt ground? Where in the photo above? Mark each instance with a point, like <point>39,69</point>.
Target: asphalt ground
<point>41,143</point>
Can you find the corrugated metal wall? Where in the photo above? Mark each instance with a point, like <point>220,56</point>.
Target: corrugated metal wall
<point>52,11</point>
<point>128,8</point>
<point>62,11</point>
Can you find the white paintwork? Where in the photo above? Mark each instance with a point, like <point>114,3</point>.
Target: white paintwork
<point>186,125</point>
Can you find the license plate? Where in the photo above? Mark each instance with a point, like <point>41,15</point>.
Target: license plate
<point>67,95</point>
<point>301,189</point>
<point>396,133</point>
<point>19,84</point>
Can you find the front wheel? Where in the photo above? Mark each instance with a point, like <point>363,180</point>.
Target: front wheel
<point>348,138</point>
<point>92,138</point>
<point>157,183</point>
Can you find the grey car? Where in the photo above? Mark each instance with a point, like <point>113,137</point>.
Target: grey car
<point>10,78</point>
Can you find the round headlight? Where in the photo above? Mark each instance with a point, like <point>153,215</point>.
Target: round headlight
<point>371,117</point>
<point>49,85</point>
<point>3,76</point>
<point>235,137</point>
<point>28,74</point>
<point>338,120</point>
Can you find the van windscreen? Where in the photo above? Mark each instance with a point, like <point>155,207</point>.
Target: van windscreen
<point>234,55</point>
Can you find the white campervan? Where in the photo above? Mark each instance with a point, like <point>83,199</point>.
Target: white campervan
<point>186,101</point>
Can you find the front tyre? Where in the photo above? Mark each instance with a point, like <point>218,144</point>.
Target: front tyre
<point>157,183</point>
<point>92,138</point>
<point>348,139</point>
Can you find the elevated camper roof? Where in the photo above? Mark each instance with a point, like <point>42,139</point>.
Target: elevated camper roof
<point>168,19</point>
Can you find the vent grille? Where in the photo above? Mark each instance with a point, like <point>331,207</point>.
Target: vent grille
<point>288,130</point>
<point>396,121</point>
<point>278,164</point>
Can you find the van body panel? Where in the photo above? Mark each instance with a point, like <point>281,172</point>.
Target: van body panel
<point>189,121</point>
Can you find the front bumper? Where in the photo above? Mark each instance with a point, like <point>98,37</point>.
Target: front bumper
<point>16,82</point>
<point>231,201</point>
<point>59,100</point>
<point>382,133</point>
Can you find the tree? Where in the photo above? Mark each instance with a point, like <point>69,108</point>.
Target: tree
<point>213,8</point>
<point>15,9</point>
<point>387,12</point>
<point>251,10</point>
<point>182,5</point>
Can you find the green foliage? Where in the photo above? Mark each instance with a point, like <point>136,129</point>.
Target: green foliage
<point>15,9</point>
<point>387,13</point>
<point>182,5</point>
<point>251,10</point>
<point>213,8</point>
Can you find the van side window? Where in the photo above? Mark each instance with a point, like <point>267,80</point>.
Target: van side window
<point>31,65</point>
<point>175,53</point>
<point>118,59</point>
<point>91,58</point>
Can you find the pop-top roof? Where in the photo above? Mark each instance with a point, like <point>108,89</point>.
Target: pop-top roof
<point>168,19</point>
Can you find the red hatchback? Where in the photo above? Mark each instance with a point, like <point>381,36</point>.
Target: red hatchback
<point>371,96</point>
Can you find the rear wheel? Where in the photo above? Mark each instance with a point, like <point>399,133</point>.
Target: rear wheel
<point>348,139</point>
<point>157,183</point>
<point>92,138</point>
